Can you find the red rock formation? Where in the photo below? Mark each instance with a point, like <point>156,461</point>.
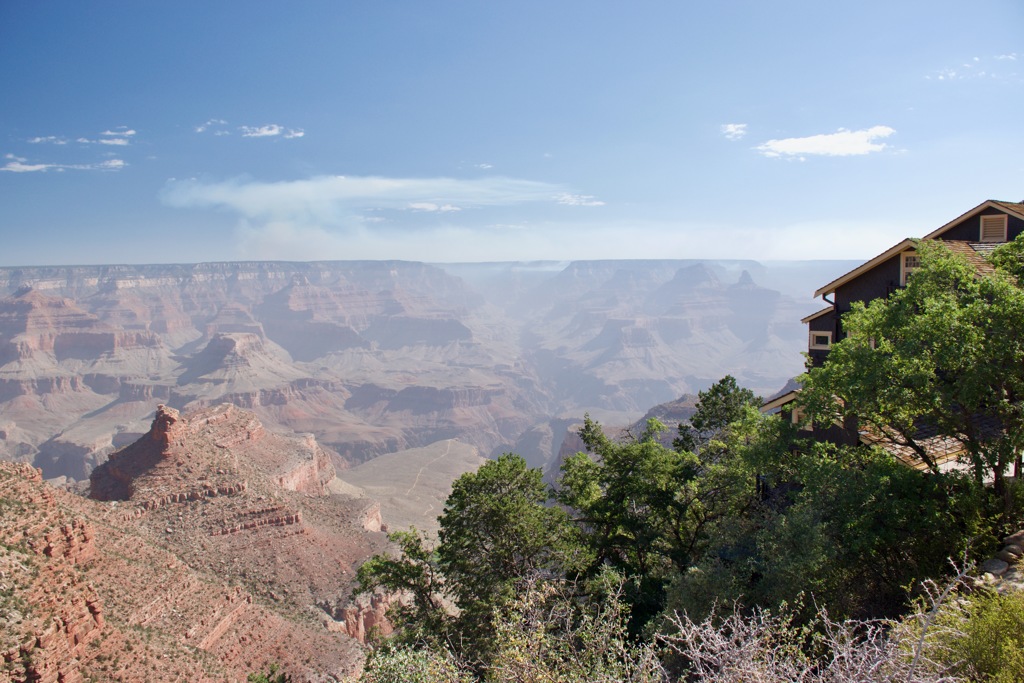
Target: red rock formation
<point>367,616</point>
<point>153,590</point>
<point>49,614</point>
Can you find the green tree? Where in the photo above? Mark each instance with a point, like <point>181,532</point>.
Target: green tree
<point>413,573</point>
<point>648,510</point>
<point>827,519</point>
<point>495,532</point>
<point>723,404</point>
<point>942,356</point>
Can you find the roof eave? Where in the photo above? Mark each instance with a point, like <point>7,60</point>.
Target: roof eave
<point>866,266</point>
<point>987,204</point>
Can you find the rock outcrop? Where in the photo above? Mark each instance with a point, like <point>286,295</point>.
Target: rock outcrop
<point>49,614</point>
<point>207,553</point>
<point>372,357</point>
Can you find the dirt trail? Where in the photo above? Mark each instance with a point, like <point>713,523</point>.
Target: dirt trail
<point>440,457</point>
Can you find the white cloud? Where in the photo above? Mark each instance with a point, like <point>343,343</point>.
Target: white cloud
<point>327,198</point>
<point>116,142</point>
<point>271,130</point>
<point>839,144</point>
<point>734,131</point>
<point>17,165</point>
<point>212,123</point>
<point>373,217</point>
<point>48,139</point>
<point>432,207</point>
<point>122,131</point>
<point>577,199</point>
<point>975,69</point>
<point>484,166</point>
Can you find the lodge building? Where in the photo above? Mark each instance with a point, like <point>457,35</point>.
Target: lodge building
<point>973,235</point>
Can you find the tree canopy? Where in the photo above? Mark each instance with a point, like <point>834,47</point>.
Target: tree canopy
<point>941,357</point>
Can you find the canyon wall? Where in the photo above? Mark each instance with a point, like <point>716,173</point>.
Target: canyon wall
<point>373,357</point>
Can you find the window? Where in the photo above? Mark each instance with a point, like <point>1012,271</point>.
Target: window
<point>820,340</point>
<point>909,262</point>
<point>797,418</point>
<point>993,228</point>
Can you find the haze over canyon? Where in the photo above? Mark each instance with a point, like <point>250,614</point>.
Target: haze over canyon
<point>377,357</point>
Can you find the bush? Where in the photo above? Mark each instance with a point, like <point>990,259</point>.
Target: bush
<point>405,664</point>
<point>982,638</point>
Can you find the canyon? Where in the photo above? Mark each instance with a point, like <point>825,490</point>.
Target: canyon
<point>379,357</point>
<point>210,548</point>
<point>200,456</point>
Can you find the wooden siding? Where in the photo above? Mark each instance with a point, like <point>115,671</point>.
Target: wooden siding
<point>877,283</point>
<point>824,323</point>
<point>969,230</point>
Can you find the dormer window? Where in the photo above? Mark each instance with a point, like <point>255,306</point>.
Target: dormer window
<point>909,262</point>
<point>820,340</point>
<point>993,228</point>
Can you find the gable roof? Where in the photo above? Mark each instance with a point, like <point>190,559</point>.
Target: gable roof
<point>774,404</point>
<point>967,249</point>
<point>971,253</point>
<point>908,243</point>
<point>1012,208</point>
<point>820,313</point>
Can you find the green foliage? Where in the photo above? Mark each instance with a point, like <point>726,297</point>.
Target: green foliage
<point>991,646</point>
<point>945,352</point>
<point>496,531</point>
<point>414,573</point>
<point>648,510</point>
<point>550,634</point>
<point>273,674</point>
<point>723,404</point>
<point>832,518</point>
<point>408,664</point>
<point>1009,258</point>
<point>975,637</point>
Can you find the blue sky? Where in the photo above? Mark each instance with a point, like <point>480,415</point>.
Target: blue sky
<point>146,132</point>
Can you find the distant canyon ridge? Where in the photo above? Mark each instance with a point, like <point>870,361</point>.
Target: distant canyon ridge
<point>376,357</point>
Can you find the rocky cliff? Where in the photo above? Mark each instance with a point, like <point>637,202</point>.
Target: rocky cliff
<point>210,550</point>
<point>371,357</point>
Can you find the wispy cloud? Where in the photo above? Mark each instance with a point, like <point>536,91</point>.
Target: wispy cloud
<point>16,164</point>
<point>734,131</point>
<point>839,144</point>
<point>317,216</point>
<point>212,123</point>
<point>996,67</point>
<point>484,166</point>
<point>271,130</point>
<point>432,207</point>
<point>49,140</point>
<point>118,137</point>
<point>329,199</point>
<point>577,199</point>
